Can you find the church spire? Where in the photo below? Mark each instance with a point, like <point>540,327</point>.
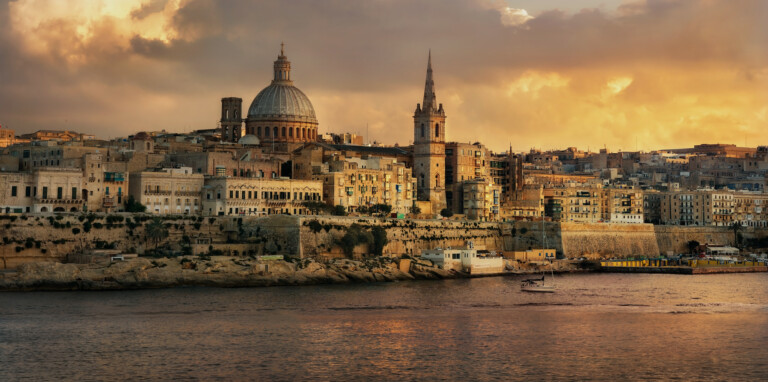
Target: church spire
<point>430,102</point>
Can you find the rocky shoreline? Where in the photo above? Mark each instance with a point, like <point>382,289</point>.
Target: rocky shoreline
<point>221,271</point>
<point>218,271</point>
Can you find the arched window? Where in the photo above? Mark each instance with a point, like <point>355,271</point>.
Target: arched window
<point>258,131</point>
<point>148,146</point>
<point>437,180</point>
<point>283,131</point>
<point>266,131</point>
<point>274,130</point>
<point>290,131</point>
<point>423,130</point>
<point>437,130</point>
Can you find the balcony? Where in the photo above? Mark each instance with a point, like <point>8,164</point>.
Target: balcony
<point>157,193</point>
<point>108,201</point>
<point>58,201</point>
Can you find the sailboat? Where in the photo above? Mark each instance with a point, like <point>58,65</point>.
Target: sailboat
<point>539,285</point>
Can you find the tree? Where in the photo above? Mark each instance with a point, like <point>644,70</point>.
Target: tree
<point>156,231</point>
<point>355,235</point>
<point>132,205</point>
<point>383,209</point>
<point>415,210</point>
<point>446,213</point>
<point>339,211</point>
<point>379,240</point>
<point>315,207</point>
<point>692,245</point>
<point>737,228</point>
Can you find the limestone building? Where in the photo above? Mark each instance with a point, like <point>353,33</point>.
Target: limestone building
<point>42,190</point>
<point>257,196</point>
<point>482,199</point>
<point>429,146</point>
<point>168,190</point>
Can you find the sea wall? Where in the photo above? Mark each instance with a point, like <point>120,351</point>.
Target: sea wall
<point>319,236</point>
<point>578,239</point>
<point>36,238</point>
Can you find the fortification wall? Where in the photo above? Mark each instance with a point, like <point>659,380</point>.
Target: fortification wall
<point>404,236</point>
<point>577,239</point>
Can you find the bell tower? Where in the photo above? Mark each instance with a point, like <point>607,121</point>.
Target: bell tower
<point>231,119</point>
<point>429,146</point>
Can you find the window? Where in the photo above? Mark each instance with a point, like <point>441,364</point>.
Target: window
<point>28,191</point>
<point>283,131</point>
<point>258,131</point>
<point>13,190</point>
<point>437,130</point>
<point>274,130</point>
<point>74,192</point>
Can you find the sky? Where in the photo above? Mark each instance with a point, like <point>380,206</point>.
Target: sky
<point>549,74</point>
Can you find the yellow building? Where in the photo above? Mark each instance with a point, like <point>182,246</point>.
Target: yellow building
<point>622,205</point>
<point>482,200</point>
<point>581,204</point>
<point>43,190</point>
<point>357,183</point>
<point>751,209</point>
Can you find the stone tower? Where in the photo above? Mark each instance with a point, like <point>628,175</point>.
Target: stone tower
<point>231,118</point>
<point>429,146</point>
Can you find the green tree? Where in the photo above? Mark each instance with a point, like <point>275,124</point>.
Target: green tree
<point>737,228</point>
<point>339,210</point>
<point>379,240</point>
<point>156,231</point>
<point>383,209</point>
<point>132,205</point>
<point>446,213</point>
<point>692,245</point>
<point>315,207</point>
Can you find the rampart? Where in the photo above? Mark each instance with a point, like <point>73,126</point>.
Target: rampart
<point>36,238</point>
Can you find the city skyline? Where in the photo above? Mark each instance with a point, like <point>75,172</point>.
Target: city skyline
<point>632,74</point>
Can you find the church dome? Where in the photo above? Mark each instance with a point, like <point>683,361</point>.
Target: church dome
<point>281,101</point>
<point>249,139</point>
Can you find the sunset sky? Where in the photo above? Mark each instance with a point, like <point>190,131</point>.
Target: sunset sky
<point>531,73</point>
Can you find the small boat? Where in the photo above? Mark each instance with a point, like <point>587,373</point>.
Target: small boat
<point>539,285</point>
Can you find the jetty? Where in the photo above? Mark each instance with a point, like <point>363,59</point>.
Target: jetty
<point>682,266</point>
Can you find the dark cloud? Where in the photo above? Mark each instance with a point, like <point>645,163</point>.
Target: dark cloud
<point>363,62</point>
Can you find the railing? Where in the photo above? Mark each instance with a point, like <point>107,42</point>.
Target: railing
<point>58,201</point>
<point>157,192</point>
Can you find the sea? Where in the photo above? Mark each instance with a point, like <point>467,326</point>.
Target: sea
<point>597,327</point>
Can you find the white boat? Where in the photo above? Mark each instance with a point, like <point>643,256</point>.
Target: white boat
<point>539,285</point>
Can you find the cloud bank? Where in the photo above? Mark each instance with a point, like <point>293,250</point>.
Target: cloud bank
<point>648,74</point>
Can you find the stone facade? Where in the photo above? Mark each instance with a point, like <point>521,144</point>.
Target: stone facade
<point>168,191</point>
<point>258,196</point>
<point>481,200</point>
<point>429,146</point>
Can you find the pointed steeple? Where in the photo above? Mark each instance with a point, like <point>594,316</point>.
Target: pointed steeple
<point>430,102</point>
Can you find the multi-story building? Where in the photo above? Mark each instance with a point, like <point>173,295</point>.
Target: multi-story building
<point>482,199</point>
<point>463,162</point>
<point>622,205</point>
<point>226,195</point>
<point>42,190</point>
<point>582,204</point>
<point>353,185</point>
<point>525,204</point>
<point>168,190</point>
<point>751,209</point>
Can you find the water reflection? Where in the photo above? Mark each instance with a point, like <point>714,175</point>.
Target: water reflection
<point>602,326</point>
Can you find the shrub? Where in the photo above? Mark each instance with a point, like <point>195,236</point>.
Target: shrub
<point>87,226</point>
<point>446,213</point>
<point>315,226</point>
<point>75,231</point>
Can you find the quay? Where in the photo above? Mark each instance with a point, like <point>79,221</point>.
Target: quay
<point>686,267</point>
